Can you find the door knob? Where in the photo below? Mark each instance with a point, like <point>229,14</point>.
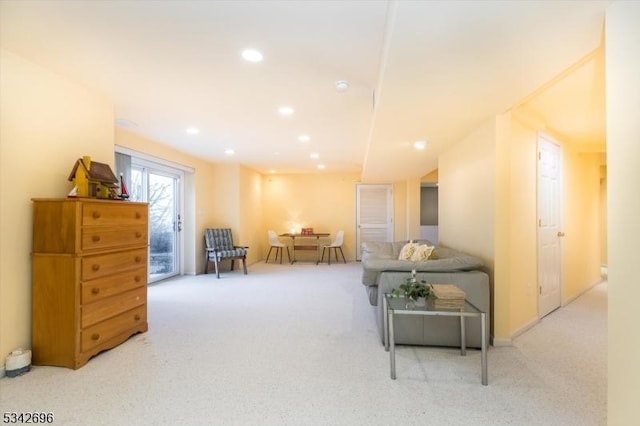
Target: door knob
<point>560,234</point>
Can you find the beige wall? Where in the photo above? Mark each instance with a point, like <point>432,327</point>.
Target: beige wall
<point>503,230</point>
<point>251,228</point>
<point>400,211</point>
<point>224,187</point>
<point>467,193</point>
<point>466,199</point>
<point>48,123</point>
<point>406,209</point>
<point>604,251</point>
<point>236,193</point>
<point>323,201</point>
<point>522,269</point>
<point>581,224</point>
<point>431,177</point>
<point>623,157</point>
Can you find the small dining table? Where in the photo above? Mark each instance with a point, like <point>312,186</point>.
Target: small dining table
<point>308,245</point>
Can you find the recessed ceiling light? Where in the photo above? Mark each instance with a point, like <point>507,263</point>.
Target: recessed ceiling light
<point>285,110</point>
<point>342,85</point>
<point>420,144</point>
<point>272,171</point>
<point>304,138</point>
<point>321,166</point>
<point>192,130</point>
<point>314,155</point>
<point>252,55</point>
<point>229,151</point>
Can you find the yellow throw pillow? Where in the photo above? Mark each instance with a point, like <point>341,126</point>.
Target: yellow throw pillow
<point>407,251</point>
<point>422,252</point>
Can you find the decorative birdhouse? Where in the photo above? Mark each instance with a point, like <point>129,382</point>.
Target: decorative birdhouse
<point>93,179</point>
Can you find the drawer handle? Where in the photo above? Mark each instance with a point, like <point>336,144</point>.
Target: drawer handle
<point>95,238</point>
<point>95,290</point>
<point>137,278</point>
<point>136,317</point>
<point>96,215</point>
<point>95,267</point>
<point>95,336</point>
<point>138,215</point>
<point>138,234</point>
<point>138,259</point>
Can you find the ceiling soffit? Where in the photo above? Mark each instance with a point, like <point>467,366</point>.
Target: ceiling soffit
<point>451,66</point>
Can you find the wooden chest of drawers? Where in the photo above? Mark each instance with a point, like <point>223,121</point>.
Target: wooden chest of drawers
<point>89,277</point>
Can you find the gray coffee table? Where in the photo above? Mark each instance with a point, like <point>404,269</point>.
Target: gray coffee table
<point>401,306</point>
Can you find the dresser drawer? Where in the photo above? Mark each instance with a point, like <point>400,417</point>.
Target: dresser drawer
<point>112,263</point>
<point>114,214</point>
<point>101,310</point>
<point>111,285</point>
<point>103,331</point>
<point>104,237</point>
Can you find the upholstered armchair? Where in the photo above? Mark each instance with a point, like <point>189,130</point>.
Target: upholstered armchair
<point>219,246</point>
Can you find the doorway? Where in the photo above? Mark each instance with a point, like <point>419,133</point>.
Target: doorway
<point>429,212</point>
<point>374,214</point>
<point>161,187</point>
<point>549,225</point>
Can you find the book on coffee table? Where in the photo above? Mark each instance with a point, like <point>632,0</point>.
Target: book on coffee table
<point>448,296</point>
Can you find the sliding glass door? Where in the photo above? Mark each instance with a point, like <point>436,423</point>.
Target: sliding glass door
<point>160,187</point>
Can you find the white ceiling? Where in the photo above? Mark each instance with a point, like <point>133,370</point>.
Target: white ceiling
<point>573,104</point>
<point>436,69</point>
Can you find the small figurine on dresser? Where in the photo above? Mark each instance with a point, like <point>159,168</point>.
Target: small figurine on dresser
<point>124,194</point>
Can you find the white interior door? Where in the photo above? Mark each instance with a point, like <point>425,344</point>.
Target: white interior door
<point>549,225</point>
<point>374,214</point>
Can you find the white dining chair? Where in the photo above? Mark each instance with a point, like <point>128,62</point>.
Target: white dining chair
<point>336,245</point>
<point>274,242</point>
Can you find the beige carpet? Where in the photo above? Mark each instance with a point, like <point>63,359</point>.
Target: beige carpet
<point>297,345</point>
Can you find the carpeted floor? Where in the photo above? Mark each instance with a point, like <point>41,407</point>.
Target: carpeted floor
<point>297,345</point>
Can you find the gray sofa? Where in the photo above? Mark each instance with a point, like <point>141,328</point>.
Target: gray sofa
<point>382,272</point>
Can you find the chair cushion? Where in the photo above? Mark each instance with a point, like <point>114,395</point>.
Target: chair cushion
<point>238,252</point>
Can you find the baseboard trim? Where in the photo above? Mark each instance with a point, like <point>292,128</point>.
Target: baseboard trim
<point>501,342</point>
<point>584,290</point>
<point>518,332</point>
<point>525,328</point>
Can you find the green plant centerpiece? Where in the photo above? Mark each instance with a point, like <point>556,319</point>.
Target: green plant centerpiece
<point>417,291</point>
